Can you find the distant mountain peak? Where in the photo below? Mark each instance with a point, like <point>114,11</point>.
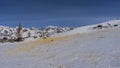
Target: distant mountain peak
<point>33,32</point>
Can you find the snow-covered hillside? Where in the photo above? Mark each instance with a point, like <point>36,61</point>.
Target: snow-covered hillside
<point>93,46</point>
<point>92,28</point>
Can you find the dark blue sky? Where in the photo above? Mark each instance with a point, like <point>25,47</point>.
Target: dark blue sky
<point>73,13</point>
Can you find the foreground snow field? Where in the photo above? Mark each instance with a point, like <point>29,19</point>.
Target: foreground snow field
<point>75,49</point>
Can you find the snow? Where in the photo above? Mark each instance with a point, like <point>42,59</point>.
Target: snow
<point>11,33</point>
<point>82,47</point>
<point>89,28</point>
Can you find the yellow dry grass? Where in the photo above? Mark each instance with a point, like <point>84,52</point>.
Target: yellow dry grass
<point>29,47</point>
<point>45,41</point>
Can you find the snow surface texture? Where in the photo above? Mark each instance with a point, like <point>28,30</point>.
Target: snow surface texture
<point>99,48</point>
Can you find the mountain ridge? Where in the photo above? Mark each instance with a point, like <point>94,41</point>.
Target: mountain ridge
<point>9,33</point>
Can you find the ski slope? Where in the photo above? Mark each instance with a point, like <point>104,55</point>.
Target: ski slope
<point>80,48</point>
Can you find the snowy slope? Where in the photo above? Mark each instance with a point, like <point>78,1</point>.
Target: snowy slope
<point>98,48</point>
<point>92,28</point>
